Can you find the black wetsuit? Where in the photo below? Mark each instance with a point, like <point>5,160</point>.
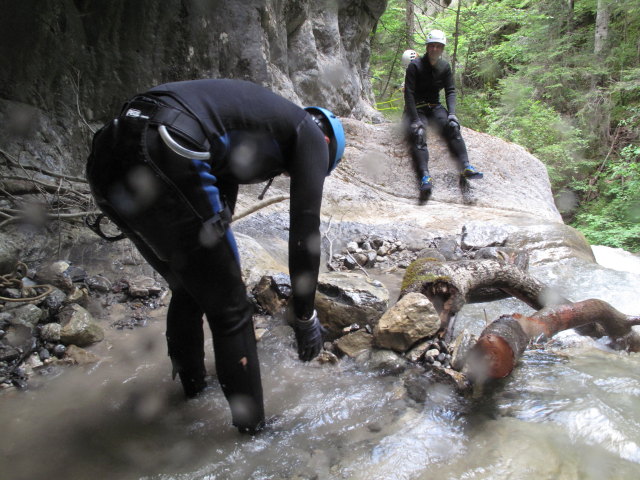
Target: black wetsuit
<point>422,86</point>
<point>172,209</point>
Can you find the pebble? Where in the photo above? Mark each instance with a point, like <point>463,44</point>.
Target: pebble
<point>44,354</point>
<point>59,350</point>
<point>432,352</point>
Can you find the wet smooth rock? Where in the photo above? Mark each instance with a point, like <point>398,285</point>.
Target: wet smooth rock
<point>387,361</point>
<point>80,356</point>
<point>54,300</point>
<point>481,234</point>
<point>355,343</point>
<point>418,351</point>
<point>411,319</point>
<point>272,292</point>
<point>55,274</point>
<point>143,286</point>
<point>344,298</point>
<point>50,332</point>
<point>78,327</point>
<point>28,315</point>
<point>98,283</point>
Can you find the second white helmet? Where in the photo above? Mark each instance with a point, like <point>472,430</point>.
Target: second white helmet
<point>436,36</point>
<point>407,56</point>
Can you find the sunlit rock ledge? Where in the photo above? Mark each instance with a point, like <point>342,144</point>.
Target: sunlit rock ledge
<point>374,191</point>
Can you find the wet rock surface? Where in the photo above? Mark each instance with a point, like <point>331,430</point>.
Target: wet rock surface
<point>55,330</point>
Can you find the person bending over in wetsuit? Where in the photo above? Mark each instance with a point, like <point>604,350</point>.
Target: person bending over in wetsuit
<point>166,171</point>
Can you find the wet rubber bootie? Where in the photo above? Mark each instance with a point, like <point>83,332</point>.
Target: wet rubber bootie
<point>266,424</point>
<point>471,172</point>
<point>192,385</point>
<point>425,183</point>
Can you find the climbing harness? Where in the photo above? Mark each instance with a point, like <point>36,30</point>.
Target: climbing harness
<point>179,149</point>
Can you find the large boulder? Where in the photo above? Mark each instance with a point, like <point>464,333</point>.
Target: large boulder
<point>374,191</point>
<point>344,299</point>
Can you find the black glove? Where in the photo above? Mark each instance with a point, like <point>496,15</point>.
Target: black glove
<point>308,337</point>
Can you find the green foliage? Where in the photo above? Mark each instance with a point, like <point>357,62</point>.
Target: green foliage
<point>387,71</point>
<point>522,119</point>
<point>614,217</point>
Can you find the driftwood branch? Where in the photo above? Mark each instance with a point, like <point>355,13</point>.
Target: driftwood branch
<point>330,240</point>
<point>53,196</point>
<point>503,342</point>
<point>450,285</point>
<point>258,206</point>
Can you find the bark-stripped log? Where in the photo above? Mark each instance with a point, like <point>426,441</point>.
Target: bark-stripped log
<point>501,344</point>
<point>551,320</point>
<point>497,350</point>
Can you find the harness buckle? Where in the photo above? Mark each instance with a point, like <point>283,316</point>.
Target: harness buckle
<point>135,113</point>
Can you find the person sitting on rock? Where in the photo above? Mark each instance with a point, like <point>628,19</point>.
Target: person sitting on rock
<point>166,171</point>
<point>425,77</point>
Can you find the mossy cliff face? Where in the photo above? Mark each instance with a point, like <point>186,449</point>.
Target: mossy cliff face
<point>67,56</point>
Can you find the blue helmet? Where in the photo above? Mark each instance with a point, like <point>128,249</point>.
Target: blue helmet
<point>336,134</point>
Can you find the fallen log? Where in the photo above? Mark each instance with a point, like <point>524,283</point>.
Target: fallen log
<point>502,343</point>
<point>450,285</point>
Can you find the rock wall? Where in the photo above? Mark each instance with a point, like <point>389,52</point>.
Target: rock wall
<point>85,57</point>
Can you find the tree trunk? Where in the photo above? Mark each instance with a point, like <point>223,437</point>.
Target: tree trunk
<point>410,22</point>
<point>449,285</point>
<point>456,34</point>
<point>602,26</point>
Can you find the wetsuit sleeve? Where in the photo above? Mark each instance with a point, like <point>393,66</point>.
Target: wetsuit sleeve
<point>307,167</point>
<point>410,92</point>
<point>449,91</point>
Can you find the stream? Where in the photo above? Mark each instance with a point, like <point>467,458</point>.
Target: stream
<point>570,410</point>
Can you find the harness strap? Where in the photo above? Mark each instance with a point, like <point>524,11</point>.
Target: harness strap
<point>183,124</point>
<point>220,221</point>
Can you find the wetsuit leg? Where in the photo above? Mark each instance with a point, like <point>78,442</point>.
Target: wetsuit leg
<point>228,311</point>
<point>185,341</point>
<point>185,337</point>
<point>452,135</point>
<point>418,149</point>
<point>238,372</point>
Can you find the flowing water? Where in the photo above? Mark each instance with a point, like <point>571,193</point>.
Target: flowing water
<point>571,410</point>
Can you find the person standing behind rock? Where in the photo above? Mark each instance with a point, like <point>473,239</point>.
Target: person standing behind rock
<point>166,171</point>
<point>424,79</point>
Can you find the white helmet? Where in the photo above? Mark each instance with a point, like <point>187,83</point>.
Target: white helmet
<point>436,36</point>
<point>407,56</point>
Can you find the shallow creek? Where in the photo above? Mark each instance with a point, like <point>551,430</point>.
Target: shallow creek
<point>571,410</point>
